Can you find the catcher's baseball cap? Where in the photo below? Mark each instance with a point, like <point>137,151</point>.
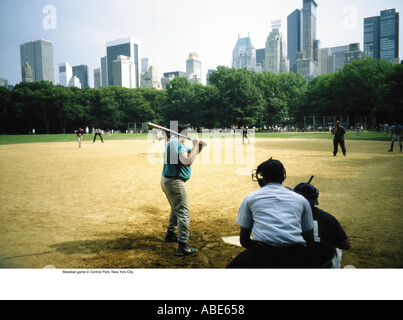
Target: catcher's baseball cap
<point>308,191</point>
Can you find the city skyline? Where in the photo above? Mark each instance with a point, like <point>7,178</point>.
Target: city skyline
<point>168,31</point>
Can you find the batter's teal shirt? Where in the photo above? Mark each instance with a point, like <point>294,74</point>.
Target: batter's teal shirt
<point>173,167</point>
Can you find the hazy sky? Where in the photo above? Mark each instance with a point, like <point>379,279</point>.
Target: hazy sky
<point>168,29</point>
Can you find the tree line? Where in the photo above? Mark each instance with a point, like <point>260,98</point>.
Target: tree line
<point>233,98</point>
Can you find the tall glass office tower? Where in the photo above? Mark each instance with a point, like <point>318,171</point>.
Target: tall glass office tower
<point>294,37</point>
<point>309,28</point>
<point>372,29</point>
<point>194,67</point>
<point>37,61</point>
<point>81,72</point>
<point>104,72</point>
<point>303,47</point>
<point>129,47</point>
<point>381,35</point>
<point>389,35</point>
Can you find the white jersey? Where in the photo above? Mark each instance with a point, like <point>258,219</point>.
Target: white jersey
<point>276,215</point>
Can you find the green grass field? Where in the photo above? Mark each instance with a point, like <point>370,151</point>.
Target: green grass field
<point>45,138</point>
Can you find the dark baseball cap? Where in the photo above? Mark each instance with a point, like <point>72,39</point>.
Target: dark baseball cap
<point>308,191</point>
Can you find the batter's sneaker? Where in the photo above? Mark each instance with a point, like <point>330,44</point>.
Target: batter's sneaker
<point>171,237</point>
<point>185,249</point>
<point>391,150</point>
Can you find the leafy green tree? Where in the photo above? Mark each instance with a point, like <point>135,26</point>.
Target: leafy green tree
<point>390,107</point>
<point>241,100</point>
<point>5,102</point>
<point>205,106</point>
<point>156,99</point>
<point>179,106</point>
<point>68,112</point>
<point>358,85</point>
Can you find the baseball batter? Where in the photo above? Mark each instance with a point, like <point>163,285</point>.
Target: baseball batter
<point>176,172</point>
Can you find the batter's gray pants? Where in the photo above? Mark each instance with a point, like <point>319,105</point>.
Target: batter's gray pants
<point>176,193</point>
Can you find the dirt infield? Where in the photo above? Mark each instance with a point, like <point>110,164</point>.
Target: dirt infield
<point>102,206</point>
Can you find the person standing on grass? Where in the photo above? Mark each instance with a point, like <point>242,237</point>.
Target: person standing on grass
<point>357,129</point>
<point>98,132</point>
<point>338,131</point>
<point>396,135</point>
<point>79,133</point>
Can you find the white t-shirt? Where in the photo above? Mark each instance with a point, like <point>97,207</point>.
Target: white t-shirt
<point>276,215</point>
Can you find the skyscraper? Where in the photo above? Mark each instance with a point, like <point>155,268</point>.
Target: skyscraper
<point>354,53</point>
<point>194,68</point>
<point>129,47</point>
<point>144,65</point>
<point>275,59</point>
<point>65,74</point>
<point>294,37</point>
<point>37,61</point>
<point>150,79</point>
<point>381,35</point>
<point>338,53</point>
<point>389,35</point>
<point>372,29</point>
<point>309,28</point>
<point>260,56</point>
<point>81,72</point>
<point>327,61</point>
<point>123,72</point>
<point>307,58</point>
<point>244,54</point>
<point>97,78</point>
<point>104,72</point>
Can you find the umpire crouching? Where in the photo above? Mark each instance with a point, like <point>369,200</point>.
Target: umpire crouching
<point>279,219</point>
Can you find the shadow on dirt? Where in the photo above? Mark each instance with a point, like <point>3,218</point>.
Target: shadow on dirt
<point>97,246</point>
<point>134,251</point>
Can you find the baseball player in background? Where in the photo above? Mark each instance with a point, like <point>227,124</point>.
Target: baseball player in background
<point>98,132</point>
<point>79,133</point>
<point>396,135</point>
<point>245,135</point>
<point>338,131</point>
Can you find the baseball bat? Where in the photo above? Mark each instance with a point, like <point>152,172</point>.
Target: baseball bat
<point>310,180</point>
<point>168,130</point>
